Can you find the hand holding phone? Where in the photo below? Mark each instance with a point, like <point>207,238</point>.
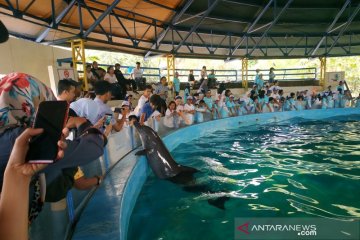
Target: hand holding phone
<point>51,116</point>
<point>108,118</point>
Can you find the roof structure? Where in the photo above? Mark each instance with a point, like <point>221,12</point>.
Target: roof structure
<point>217,29</point>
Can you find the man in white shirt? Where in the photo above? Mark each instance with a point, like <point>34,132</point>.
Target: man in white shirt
<point>137,75</point>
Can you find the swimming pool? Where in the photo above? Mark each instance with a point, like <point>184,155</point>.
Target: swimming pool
<point>295,168</point>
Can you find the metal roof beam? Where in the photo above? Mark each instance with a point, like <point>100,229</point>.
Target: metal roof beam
<point>272,24</point>
<point>175,19</point>
<point>124,28</point>
<point>193,29</point>
<point>159,5</point>
<point>250,27</point>
<point>329,29</point>
<point>351,18</point>
<point>53,24</point>
<point>241,3</point>
<point>189,18</point>
<point>101,17</point>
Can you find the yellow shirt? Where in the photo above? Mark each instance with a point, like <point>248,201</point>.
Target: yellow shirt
<point>78,174</point>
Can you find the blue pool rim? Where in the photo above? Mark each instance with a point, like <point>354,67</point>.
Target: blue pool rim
<point>107,215</point>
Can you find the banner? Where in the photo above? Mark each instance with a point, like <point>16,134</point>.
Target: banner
<point>66,73</point>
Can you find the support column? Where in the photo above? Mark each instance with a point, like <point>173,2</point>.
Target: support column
<point>244,73</point>
<point>322,71</point>
<point>170,59</point>
<point>78,56</point>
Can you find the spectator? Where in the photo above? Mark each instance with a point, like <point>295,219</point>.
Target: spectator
<point>149,109</point>
<point>189,110</point>
<point>162,89</point>
<point>124,83</point>
<point>200,109</point>
<point>143,99</point>
<point>66,90</point>
<point>212,79</point>
<point>96,71</point>
<point>90,76</point>
<point>171,119</point>
<point>137,75</point>
<point>103,95</point>
<point>176,83</point>
<point>110,75</point>
<point>203,74</point>
<point>271,76</point>
<point>191,78</point>
<point>14,201</point>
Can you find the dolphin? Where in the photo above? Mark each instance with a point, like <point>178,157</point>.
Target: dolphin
<point>165,167</point>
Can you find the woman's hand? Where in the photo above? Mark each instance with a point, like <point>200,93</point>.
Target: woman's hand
<point>17,162</point>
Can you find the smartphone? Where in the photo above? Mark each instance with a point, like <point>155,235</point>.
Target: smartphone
<point>108,118</point>
<point>50,116</point>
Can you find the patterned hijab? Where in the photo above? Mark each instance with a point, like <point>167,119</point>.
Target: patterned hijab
<point>20,95</point>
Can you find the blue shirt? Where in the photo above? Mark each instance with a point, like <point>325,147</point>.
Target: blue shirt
<point>147,109</point>
<point>87,108</point>
<point>176,83</point>
<point>208,102</point>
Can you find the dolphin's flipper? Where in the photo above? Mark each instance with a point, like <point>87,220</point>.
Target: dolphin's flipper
<point>141,152</point>
<point>219,202</point>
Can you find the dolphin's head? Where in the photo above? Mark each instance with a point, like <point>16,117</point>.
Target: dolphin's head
<point>142,130</point>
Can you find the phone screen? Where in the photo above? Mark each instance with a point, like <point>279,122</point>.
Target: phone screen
<point>51,116</point>
<point>108,118</point>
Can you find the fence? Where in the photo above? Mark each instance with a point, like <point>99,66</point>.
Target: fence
<point>153,74</point>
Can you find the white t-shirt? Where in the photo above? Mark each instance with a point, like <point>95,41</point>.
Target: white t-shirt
<point>275,96</point>
<point>189,116</point>
<point>141,103</point>
<point>90,75</point>
<point>169,119</point>
<point>138,73</point>
<point>180,108</point>
<point>110,79</point>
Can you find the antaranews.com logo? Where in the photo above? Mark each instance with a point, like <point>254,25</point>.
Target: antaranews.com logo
<point>296,228</point>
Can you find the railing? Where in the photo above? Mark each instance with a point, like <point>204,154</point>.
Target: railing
<point>153,74</point>
<point>57,219</point>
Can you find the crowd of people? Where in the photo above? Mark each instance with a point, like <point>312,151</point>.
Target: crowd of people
<point>198,105</point>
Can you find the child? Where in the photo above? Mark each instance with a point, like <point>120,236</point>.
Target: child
<point>189,110</point>
<point>224,111</point>
<point>171,116</point>
<point>162,89</point>
<point>230,104</point>
<point>256,104</point>
<point>176,84</point>
<point>291,101</point>
<point>299,103</point>
<point>200,110</point>
<point>330,99</point>
<point>187,91</point>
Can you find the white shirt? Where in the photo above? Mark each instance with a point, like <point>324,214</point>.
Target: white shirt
<point>189,116</point>
<point>141,103</point>
<point>275,96</point>
<point>180,108</point>
<point>110,79</point>
<point>169,120</point>
<point>138,73</point>
<point>90,75</point>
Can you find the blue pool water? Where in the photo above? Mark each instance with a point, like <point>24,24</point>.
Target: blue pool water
<point>293,169</point>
